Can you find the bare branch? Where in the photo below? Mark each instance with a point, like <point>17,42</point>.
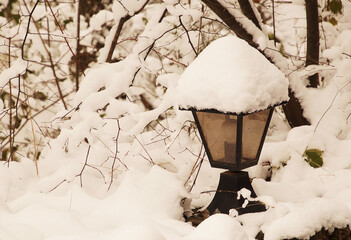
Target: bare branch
<point>119,29</point>
<point>57,23</point>
<point>115,157</point>
<point>292,109</point>
<point>54,188</point>
<point>78,45</point>
<point>246,8</point>
<point>85,164</point>
<point>187,34</point>
<point>231,21</point>
<point>27,32</point>
<point>52,66</point>
<point>150,158</point>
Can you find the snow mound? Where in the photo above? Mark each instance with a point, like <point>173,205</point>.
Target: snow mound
<point>218,226</point>
<point>310,218</point>
<point>231,76</point>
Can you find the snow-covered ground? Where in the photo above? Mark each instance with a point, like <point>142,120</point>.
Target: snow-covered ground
<point>74,197</point>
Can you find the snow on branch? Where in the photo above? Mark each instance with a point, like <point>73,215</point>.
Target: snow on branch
<point>244,28</point>
<point>122,11</point>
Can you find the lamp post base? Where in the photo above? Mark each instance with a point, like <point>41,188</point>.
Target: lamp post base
<point>226,195</point>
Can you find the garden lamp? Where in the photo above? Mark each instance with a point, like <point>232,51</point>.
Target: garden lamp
<point>231,90</point>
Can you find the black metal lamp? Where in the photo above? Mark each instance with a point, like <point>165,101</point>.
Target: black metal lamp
<point>233,141</point>
<point>231,90</point>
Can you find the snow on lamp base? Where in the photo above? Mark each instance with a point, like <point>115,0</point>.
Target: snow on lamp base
<point>226,197</point>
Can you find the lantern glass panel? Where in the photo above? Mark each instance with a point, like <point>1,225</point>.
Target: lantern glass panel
<point>219,131</point>
<point>253,129</point>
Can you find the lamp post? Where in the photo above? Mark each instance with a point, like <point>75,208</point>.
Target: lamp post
<point>233,141</point>
<point>232,90</point>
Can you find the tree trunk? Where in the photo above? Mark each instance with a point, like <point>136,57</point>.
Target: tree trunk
<point>231,22</point>
<point>78,45</point>
<point>312,53</point>
<point>247,10</point>
<point>293,110</point>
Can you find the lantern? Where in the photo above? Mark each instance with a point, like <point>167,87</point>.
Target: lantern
<point>232,141</point>
<point>232,89</point>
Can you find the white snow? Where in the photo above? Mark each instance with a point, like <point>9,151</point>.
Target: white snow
<point>151,172</point>
<point>231,76</point>
<point>3,4</point>
<point>18,68</point>
<point>304,221</point>
<point>218,225</point>
<point>99,19</point>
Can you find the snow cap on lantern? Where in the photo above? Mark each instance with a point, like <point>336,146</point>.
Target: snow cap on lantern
<point>231,76</point>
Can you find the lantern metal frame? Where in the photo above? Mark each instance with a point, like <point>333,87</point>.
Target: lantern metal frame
<point>238,164</point>
<point>226,196</point>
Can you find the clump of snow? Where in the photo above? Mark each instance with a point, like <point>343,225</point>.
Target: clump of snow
<point>221,225</point>
<point>97,20</point>
<point>304,221</point>
<point>231,76</point>
<point>3,4</point>
<point>17,68</point>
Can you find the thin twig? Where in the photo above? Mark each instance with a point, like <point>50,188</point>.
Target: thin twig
<point>159,140</point>
<point>27,32</point>
<point>10,159</point>
<point>198,171</point>
<point>150,158</point>
<point>183,126</point>
<point>103,176</point>
<point>200,33</point>
<point>187,34</point>
<point>115,157</point>
<point>78,45</point>
<point>36,114</point>
<point>321,118</point>
<point>273,13</point>
<point>149,48</point>
<point>81,172</point>
<point>52,65</point>
<point>85,164</point>
<point>65,38</point>
<point>120,25</point>
<point>173,60</point>
<point>52,189</point>
<point>31,122</point>
<point>12,129</point>
<point>331,104</point>
<point>194,166</point>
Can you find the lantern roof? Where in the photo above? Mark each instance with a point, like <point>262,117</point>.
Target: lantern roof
<point>231,76</point>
